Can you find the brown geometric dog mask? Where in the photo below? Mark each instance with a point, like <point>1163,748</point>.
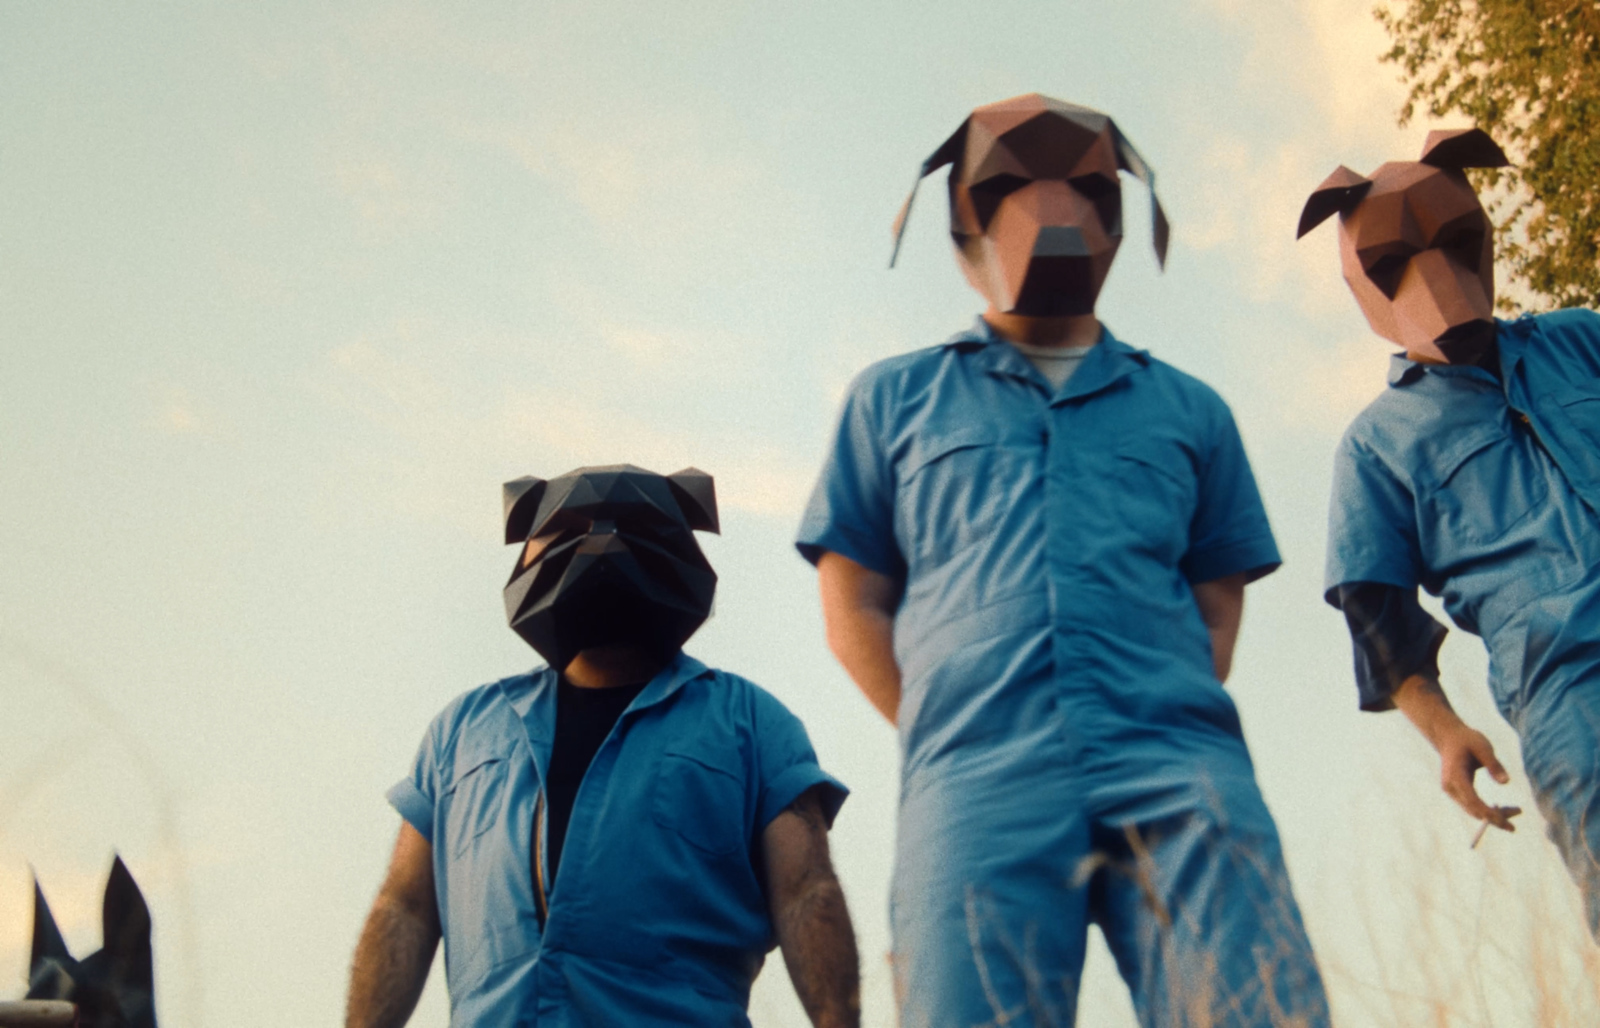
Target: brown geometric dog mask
<point>1416,246</point>
<point>1035,204</point>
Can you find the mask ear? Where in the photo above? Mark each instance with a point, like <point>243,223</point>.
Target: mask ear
<point>520,498</point>
<point>1462,148</point>
<point>125,928</point>
<point>47,941</point>
<point>1339,193</point>
<point>1129,160</point>
<point>697,495</point>
<point>949,152</point>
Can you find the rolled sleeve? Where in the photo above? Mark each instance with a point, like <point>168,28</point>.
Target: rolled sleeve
<point>1392,636</point>
<point>788,764</point>
<point>413,796</point>
<point>1229,533</point>
<point>851,511</point>
<point>1372,534</point>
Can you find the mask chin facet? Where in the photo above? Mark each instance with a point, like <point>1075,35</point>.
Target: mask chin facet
<point>1466,343</point>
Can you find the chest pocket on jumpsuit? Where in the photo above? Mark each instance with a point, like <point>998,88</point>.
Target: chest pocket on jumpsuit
<point>954,486</point>
<point>1575,413</point>
<point>475,799</point>
<point>1156,495</point>
<point>474,804</point>
<point>1483,490</point>
<point>700,797</point>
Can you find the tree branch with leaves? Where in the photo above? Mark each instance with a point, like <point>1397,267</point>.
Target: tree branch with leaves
<point>1528,73</point>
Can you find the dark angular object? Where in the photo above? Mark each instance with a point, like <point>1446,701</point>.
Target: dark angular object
<point>113,987</point>
<point>609,558</point>
<point>1035,203</point>
<point>1416,246</point>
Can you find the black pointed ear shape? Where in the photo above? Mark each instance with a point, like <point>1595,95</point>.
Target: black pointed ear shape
<point>125,928</point>
<point>949,152</point>
<point>47,940</point>
<point>1130,160</point>
<point>1462,148</point>
<point>520,498</point>
<point>1340,193</point>
<point>697,495</point>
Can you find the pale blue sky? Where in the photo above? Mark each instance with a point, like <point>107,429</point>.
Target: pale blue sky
<point>287,292</point>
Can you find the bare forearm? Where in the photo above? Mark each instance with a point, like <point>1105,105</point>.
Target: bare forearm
<point>863,642</point>
<point>819,949</point>
<point>1222,641</point>
<point>1221,603</point>
<point>858,606</point>
<point>1423,702</point>
<point>1462,749</point>
<point>390,966</point>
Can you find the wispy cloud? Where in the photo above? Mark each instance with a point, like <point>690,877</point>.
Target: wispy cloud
<point>1322,55</point>
<point>444,441</point>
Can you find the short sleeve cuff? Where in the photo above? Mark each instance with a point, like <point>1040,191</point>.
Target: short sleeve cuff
<point>1256,557</point>
<point>832,539</point>
<point>791,783</point>
<point>406,798</point>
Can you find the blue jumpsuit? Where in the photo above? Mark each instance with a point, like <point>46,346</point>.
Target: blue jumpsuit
<point>1484,491</point>
<point>656,916</point>
<point>1068,754</point>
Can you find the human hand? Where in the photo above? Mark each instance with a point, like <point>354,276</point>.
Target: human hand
<point>1462,750</point>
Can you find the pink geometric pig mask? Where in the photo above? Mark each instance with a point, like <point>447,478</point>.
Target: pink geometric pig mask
<point>1416,246</point>
<point>1035,203</point>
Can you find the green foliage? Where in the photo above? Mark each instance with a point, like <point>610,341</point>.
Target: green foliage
<point>1528,73</point>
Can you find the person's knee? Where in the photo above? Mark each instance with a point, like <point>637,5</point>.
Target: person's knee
<point>1210,933</point>
<point>973,954</point>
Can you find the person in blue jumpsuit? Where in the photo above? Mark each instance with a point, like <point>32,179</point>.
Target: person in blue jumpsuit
<point>619,837</point>
<point>1032,543</point>
<point>1475,476</point>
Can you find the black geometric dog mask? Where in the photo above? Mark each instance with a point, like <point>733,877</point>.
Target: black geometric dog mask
<point>113,987</point>
<point>609,558</point>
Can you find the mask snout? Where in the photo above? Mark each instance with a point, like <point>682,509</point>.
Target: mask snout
<point>1441,306</point>
<point>1046,252</point>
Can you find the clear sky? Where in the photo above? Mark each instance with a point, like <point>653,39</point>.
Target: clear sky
<point>288,290</point>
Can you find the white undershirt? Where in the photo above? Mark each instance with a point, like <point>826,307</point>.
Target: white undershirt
<point>1055,363</point>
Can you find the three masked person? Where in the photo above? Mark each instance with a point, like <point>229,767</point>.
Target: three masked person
<point>1033,542</point>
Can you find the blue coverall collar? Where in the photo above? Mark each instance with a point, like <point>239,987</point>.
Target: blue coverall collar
<point>1107,361</point>
<point>1509,337</point>
<point>536,703</point>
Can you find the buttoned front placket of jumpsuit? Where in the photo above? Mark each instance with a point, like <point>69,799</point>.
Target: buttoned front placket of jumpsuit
<point>657,916</point>
<point>1484,490</point>
<point>1068,753</point>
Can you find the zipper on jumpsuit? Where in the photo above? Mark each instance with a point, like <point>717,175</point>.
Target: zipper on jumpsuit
<point>540,899</point>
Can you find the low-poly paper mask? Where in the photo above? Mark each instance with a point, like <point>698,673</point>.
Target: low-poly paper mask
<point>609,558</point>
<point>112,987</point>
<point>1416,246</point>
<point>1035,203</point>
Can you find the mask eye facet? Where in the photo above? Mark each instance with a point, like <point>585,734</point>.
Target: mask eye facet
<point>559,530</point>
<point>987,194</point>
<point>1106,195</point>
<point>1385,270</point>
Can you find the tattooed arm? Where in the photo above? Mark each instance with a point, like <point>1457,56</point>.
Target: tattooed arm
<point>397,945</point>
<point>809,914</point>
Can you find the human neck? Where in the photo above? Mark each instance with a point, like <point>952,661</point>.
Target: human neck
<point>1068,330</point>
<point>610,667</point>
